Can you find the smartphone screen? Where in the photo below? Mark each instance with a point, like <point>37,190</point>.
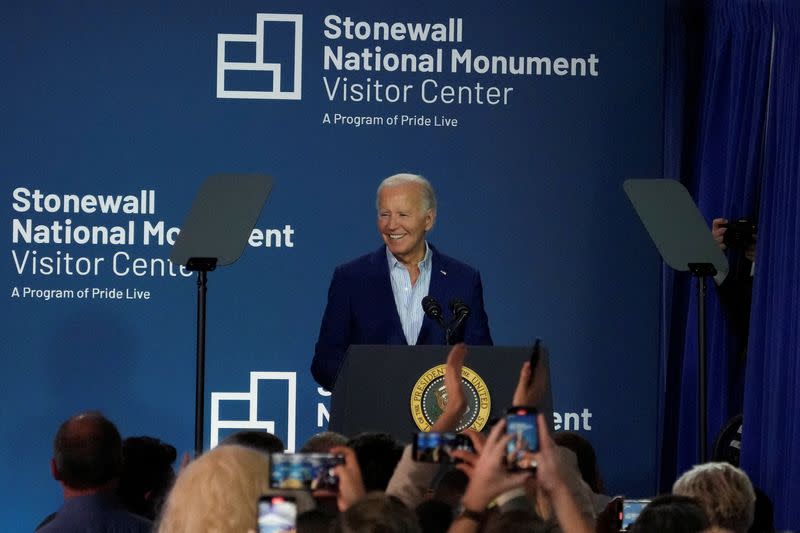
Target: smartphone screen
<point>630,512</point>
<point>521,423</point>
<point>277,514</point>
<point>304,471</point>
<point>434,447</point>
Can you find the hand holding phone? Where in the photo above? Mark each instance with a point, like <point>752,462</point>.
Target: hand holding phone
<point>532,384</point>
<point>351,484</point>
<point>432,447</point>
<point>299,471</point>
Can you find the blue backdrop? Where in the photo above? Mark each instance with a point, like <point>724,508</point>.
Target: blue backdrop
<point>108,100</point>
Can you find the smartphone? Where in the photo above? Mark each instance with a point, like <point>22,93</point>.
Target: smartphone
<point>432,447</point>
<point>630,512</point>
<point>277,514</point>
<point>304,471</point>
<point>535,355</point>
<point>521,423</point>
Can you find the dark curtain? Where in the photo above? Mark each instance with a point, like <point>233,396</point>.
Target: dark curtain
<point>718,65</point>
<point>732,136</point>
<point>771,439</point>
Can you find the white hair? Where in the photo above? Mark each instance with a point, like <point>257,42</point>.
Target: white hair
<point>724,492</point>
<point>428,196</point>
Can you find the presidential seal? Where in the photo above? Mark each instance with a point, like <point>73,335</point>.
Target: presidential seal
<point>429,398</point>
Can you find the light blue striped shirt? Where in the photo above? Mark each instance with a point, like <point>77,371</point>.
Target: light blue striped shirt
<point>407,297</point>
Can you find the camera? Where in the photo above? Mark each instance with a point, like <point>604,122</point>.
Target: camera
<point>740,234</point>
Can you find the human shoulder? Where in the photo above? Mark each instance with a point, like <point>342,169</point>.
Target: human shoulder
<point>115,519</point>
<point>365,263</point>
<point>447,263</point>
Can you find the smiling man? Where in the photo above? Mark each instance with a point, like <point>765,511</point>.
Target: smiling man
<point>377,298</point>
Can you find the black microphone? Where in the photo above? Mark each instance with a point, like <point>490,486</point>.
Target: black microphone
<point>460,309</point>
<point>460,313</point>
<point>433,310</point>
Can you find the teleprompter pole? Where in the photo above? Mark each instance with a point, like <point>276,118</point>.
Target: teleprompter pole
<point>215,233</point>
<point>202,266</point>
<point>700,271</point>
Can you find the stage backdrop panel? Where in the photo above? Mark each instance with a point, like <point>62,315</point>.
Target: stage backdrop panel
<point>526,117</point>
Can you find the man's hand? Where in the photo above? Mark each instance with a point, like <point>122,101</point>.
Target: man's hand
<point>351,485</point>
<point>551,477</point>
<point>456,400</point>
<point>487,470</point>
<point>532,382</point>
<point>550,473</point>
<point>718,232</point>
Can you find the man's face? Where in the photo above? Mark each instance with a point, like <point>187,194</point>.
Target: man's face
<point>403,221</point>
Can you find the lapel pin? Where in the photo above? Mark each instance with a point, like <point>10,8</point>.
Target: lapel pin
<point>443,272</point>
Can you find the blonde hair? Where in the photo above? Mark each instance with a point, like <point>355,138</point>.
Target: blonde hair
<point>724,492</point>
<point>217,493</point>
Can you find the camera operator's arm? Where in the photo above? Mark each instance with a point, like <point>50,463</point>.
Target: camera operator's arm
<point>718,232</point>
<point>735,290</point>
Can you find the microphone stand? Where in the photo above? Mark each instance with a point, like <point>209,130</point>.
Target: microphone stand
<point>434,311</point>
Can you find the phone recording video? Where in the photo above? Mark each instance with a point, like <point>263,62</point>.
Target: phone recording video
<point>521,423</point>
<point>309,471</point>
<point>434,447</point>
<point>277,514</point>
<point>630,512</point>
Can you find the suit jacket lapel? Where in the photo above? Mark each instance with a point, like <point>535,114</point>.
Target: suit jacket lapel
<point>384,294</point>
<point>430,332</point>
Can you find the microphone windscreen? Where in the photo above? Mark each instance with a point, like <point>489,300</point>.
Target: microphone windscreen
<point>432,308</point>
<point>459,308</point>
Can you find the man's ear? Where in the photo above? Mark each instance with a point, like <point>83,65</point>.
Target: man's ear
<point>54,470</point>
<point>430,219</point>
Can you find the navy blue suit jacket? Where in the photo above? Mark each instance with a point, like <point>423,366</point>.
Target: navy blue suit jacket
<point>361,309</point>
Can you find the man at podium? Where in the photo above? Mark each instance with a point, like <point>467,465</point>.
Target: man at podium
<point>377,298</point>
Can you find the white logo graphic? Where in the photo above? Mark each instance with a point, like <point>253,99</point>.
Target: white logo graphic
<point>259,65</point>
<point>252,421</point>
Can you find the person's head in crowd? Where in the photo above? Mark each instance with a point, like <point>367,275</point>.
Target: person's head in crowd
<point>518,521</point>
<point>378,513</point>
<point>87,461</point>
<point>434,516</point>
<point>724,491</point>
<point>671,513</point>
<point>217,492</point>
<point>257,440</point>
<point>323,442</point>
<point>378,455</point>
<point>147,474</point>
<point>587,459</point>
<point>450,487</point>
<point>406,207</point>
<point>87,454</point>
